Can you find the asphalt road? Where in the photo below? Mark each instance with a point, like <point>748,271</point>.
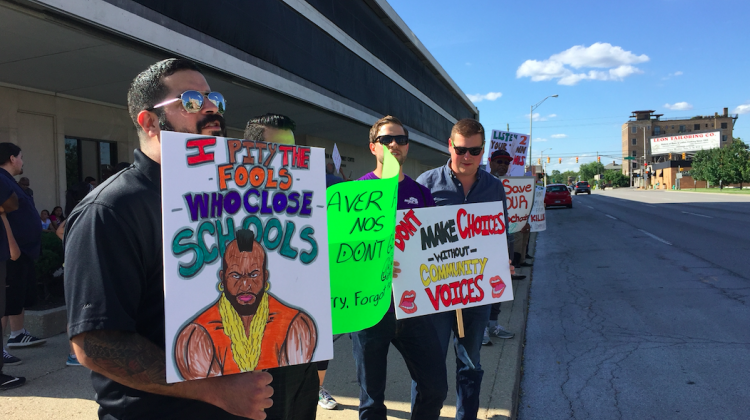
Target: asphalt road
<point>639,309</point>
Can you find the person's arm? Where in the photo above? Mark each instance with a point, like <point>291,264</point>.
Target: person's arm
<point>301,340</point>
<point>11,204</point>
<point>343,175</point>
<point>15,251</point>
<point>132,360</point>
<point>60,231</point>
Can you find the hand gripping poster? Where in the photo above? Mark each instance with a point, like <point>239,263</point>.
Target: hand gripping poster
<point>451,257</point>
<point>519,192</point>
<point>516,144</point>
<point>245,256</point>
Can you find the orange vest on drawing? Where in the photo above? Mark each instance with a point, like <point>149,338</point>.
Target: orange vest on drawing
<point>280,318</point>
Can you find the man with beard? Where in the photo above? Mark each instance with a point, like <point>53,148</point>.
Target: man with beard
<point>114,268</point>
<point>415,338</point>
<point>499,163</point>
<point>247,326</point>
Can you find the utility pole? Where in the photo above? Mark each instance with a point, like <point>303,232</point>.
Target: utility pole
<point>507,127</point>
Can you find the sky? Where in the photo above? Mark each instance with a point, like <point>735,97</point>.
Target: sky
<point>604,59</point>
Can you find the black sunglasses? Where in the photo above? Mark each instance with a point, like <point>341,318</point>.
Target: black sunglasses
<point>192,101</point>
<point>385,140</point>
<point>474,151</point>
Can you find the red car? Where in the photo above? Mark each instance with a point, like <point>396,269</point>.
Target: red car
<point>557,195</point>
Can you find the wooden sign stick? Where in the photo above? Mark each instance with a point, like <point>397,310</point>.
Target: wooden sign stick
<point>460,323</point>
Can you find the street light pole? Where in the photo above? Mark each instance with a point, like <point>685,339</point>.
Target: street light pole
<point>531,119</point>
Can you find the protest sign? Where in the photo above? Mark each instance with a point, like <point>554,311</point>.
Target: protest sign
<point>336,156</point>
<point>537,219</point>
<point>245,256</point>
<point>451,257</point>
<point>361,221</point>
<point>519,191</point>
<point>515,144</point>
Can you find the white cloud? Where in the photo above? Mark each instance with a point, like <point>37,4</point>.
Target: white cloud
<point>679,106</point>
<point>742,109</point>
<point>539,117</point>
<point>559,136</point>
<point>490,96</point>
<point>670,75</point>
<point>537,140</point>
<point>618,62</point>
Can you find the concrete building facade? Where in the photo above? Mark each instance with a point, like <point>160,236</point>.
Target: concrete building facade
<point>333,67</point>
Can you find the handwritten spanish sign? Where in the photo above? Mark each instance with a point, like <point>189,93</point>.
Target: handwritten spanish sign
<point>451,257</point>
<point>361,220</point>
<point>245,256</point>
<point>537,220</point>
<point>336,157</point>
<point>519,191</point>
<point>515,144</point>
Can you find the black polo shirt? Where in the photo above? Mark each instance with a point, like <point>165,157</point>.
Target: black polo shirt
<point>25,222</point>
<point>114,281</point>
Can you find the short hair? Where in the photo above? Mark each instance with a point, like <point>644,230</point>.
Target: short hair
<point>468,127</point>
<point>245,239</point>
<point>147,89</point>
<point>257,126</point>
<point>7,150</point>
<point>388,119</point>
<point>330,168</point>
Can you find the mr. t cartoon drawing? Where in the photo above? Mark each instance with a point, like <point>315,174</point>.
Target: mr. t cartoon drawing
<point>247,326</point>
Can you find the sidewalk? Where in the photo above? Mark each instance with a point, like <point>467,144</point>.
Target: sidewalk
<point>55,391</point>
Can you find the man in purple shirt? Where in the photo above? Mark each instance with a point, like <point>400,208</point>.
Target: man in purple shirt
<point>415,338</point>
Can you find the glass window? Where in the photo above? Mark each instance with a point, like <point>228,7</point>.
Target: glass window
<point>634,153</point>
<point>723,125</point>
<point>696,126</point>
<point>657,130</point>
<point>682,128</point>
<point>633,130</point>
<point>88,157</point>
<point>634,141</point>
<point>724,137</point>
<point>635,165</point>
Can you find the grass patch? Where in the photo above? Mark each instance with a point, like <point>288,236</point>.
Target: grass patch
<point>717,190</point>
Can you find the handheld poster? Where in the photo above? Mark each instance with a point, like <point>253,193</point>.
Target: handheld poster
<point>245,256</point>
<point>451,257</point>
<point>519,192</point>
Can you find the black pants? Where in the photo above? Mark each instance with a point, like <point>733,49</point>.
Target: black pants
<point>295,392</point>
<point>21,285</point>
<point>2,301</point>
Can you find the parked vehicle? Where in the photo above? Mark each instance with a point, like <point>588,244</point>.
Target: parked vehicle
<point>583,187</point>
<point>557,195</point>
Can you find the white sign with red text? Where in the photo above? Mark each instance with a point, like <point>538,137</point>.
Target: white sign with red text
<point>519,191</point>
<point>685,143</point>
<point>538,221</point>
<point>451,257</point>
<point>515,144</point>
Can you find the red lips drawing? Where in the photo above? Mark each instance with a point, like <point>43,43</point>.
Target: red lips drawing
<point>498,286</point>
<point>407,302</point>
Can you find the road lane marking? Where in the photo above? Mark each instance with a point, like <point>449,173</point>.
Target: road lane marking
<point>699,215</point>
<point>655,237</point>
<point>611,217</point>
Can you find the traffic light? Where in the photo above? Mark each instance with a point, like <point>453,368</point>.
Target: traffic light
<point>598,158</point>
<point>670,156</point>
<point>539,161</point>
<point>576,159</point>
<point>547,159</point>
<point>645,164</point>
<point>559,160</point>
<point>683,156</point>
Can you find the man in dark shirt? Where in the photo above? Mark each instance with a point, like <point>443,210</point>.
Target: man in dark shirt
<point>114,269</point>
<point>415,338</point>
<point>21,274</point>
<point>332,179</point>
<point>458,182</point>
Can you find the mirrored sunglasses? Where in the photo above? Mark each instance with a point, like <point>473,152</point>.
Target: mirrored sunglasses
<point>401,140</point>
<point>192,101</point>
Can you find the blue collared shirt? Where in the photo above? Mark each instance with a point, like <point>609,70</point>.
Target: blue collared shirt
<point>447,190</point>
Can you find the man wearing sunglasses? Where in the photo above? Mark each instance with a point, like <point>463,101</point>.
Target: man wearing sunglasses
<point>114,268</point>
<point>415,338</point>
<point>461,182</point>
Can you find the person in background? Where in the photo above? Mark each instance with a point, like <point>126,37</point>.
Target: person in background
<point>8,250</point>
<point>46,221</point>
<point>332,179</point>
<point>24,183</point>
<point>77,192</point>
<point>415,338</point>
<point>57,217</point>
<point>21,274</point>
<point>460,181</point>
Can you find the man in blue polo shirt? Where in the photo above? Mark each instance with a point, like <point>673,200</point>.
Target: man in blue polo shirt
<point>458,182</point>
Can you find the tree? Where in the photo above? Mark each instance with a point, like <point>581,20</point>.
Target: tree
<point>555,177</point>
<point>616,178</point>
<point>736,163</point>
<point>588,170</point>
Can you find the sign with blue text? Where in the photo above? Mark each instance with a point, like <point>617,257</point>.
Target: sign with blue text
<point>451,257</point>
<point>245,256</point>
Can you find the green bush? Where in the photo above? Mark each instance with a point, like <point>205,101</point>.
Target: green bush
<point>51,257</point>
